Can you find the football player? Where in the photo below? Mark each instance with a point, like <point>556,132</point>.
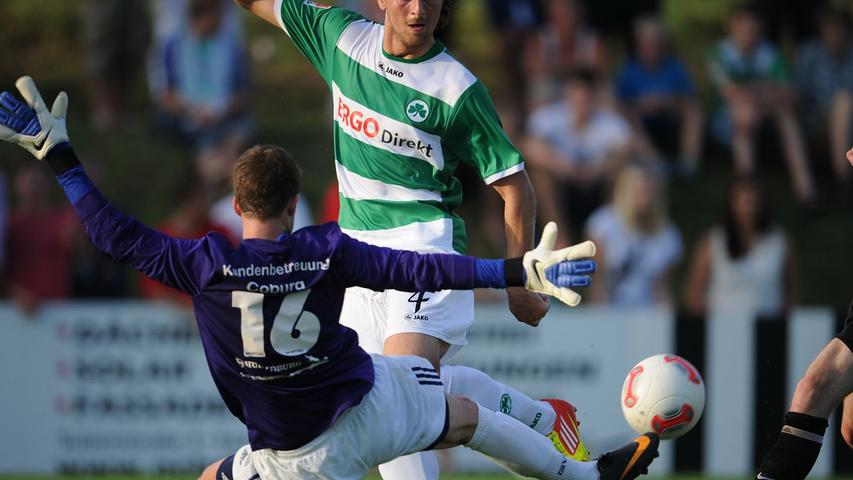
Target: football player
<point>316,405</point>
<point>406,113</point>
<point>828,382</point>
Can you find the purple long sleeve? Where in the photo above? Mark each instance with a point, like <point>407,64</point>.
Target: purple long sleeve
<point>379,268</point>
<point>175,262</point>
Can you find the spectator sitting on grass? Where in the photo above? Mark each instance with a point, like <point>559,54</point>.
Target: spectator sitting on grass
<point>564,43</point>
<point>515,22</point>
<point>191,219</point>
<point>824,79</point>
<point>574,146</point>
<point>749,75</point>
<point>659,98</point>
<point>638,244</point>
<point>746,263</point>
<point>39,241</point>
<point>203,100</point>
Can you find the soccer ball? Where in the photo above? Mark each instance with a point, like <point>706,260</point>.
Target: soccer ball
<point>664,394</point>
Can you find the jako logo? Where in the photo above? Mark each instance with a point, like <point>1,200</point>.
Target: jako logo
<point>416,316</point>
<point>390,70</point>
<point>417,111</point>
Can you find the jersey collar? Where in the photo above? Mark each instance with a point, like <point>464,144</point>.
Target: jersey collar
<point>432,53</point>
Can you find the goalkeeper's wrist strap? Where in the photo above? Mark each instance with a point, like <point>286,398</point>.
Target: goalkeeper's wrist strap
<point>514,272</point>
<point>62,158</point>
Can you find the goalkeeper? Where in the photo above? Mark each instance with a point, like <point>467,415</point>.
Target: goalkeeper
<point>317,406</point>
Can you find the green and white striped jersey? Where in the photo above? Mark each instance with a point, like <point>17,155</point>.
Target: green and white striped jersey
<point>401,127</point>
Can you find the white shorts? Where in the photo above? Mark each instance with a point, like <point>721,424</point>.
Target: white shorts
<point>375,316</point>
<point>405,412</point>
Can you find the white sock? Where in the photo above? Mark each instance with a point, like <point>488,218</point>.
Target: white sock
<point>497,397</point>
<point>417,466</point>
<point>522,451</point>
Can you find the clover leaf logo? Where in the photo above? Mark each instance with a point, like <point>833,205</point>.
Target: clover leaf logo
<point>417,111</point>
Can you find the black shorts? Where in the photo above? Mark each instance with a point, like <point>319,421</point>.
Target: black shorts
<point>846,334</point>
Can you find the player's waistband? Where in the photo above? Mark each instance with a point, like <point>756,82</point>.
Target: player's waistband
<point>424,237</point>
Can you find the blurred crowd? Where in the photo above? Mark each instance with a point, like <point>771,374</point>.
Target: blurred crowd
<point>603,105</point>
<point>604,136</point>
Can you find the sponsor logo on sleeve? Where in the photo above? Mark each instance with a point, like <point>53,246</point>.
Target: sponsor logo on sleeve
<point>309,3</point>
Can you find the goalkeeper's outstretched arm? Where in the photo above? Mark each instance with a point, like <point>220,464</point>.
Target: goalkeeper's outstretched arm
<point>543,270</point>
<point>43,133</point>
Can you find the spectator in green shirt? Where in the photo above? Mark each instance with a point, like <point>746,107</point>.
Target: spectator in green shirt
<point>752,84</point>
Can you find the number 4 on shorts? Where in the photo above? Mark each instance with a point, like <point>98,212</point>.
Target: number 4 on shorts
<point>418,298</point>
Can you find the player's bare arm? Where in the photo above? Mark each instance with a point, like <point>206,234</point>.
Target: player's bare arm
<point>520,218</point>
<point>850,156</point>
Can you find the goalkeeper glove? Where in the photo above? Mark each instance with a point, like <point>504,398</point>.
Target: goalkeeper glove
<point>553,272</point>
<point>30,124</point>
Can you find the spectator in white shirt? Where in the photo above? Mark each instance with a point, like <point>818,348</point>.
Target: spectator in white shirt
<point>638,244</point>
<point>573,148</point>
<point>744,264</point>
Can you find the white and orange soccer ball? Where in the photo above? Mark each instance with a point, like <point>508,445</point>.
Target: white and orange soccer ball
<point>664,394</point>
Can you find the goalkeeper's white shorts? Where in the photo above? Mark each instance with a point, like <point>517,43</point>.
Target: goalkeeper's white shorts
<point>376,316</point>
<point>405,412</point>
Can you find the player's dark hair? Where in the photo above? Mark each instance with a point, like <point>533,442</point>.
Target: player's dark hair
<point>446,9</point>
<point>735,243</point>
<point>266,178</point>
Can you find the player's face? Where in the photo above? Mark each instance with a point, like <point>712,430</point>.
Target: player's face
<point>412,22</point>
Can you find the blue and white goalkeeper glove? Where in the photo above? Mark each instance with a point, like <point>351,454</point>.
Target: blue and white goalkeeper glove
<point>556,272</point>
<point>30,124</point>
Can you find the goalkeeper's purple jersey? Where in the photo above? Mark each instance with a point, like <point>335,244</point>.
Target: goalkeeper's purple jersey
<point>268,312</point>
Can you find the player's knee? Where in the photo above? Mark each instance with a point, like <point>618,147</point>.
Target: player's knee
<point>209,473</point>
<point>847,428</point>
<point>464,414</point>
